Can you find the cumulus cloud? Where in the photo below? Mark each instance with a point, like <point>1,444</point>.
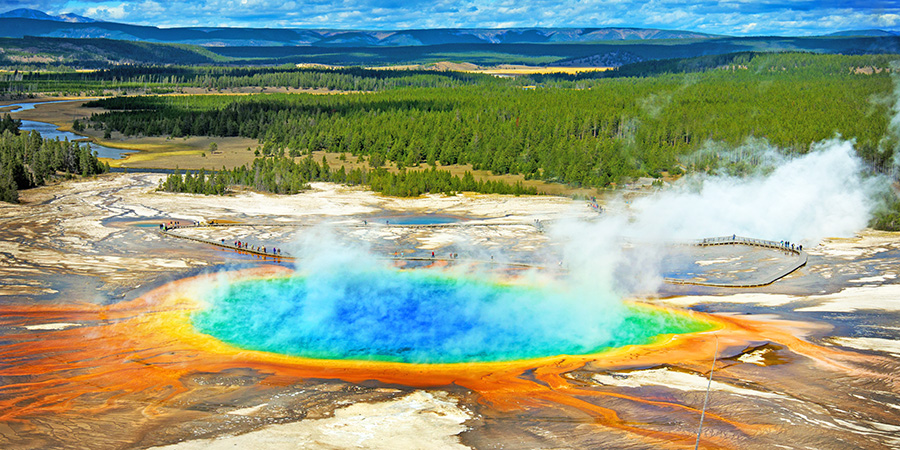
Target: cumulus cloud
<point>730,17</point>
<point>888,20</point>
<point>107,12</point>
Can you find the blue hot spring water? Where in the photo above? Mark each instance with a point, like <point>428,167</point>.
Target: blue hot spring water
<point>418,317</point>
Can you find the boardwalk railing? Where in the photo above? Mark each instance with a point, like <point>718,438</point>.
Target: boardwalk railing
<point>268,252</point>
<point>253,250</point>
<point>733,239</point>
<point>802,259</point>
<point>370,224</point>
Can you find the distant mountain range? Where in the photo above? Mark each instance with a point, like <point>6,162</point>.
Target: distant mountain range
<point>867,33</point>
<point>28,22</point>
<point>35,39</point>
<point>23,13</point>
<point>19,23</point>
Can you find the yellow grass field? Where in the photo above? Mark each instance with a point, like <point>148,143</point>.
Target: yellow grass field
<point>526,70</point>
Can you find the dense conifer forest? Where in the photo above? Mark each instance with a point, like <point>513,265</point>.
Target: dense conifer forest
<point>594,129</point>
<point>168,79</point>
<point>597,134</point>
<point>27,160</point>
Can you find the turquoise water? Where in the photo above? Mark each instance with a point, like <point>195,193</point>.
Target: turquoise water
<point>419,219</point>
<point>417,317</point>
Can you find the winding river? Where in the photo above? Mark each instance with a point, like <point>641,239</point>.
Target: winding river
<point>50,131</point>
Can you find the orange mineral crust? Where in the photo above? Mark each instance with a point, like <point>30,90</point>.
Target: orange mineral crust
<point>93,358</point>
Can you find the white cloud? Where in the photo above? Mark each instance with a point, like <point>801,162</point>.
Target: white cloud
<point>116,12</point>
<point>749,28</point>
<point>151,7</point>
<point>735,17</point>
<point>887,20</point>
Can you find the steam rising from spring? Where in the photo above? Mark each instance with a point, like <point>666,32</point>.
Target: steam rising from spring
<point>578,318</point>
<point>827,192</point>
<point>343,303</point>
<point>346,303</point>
<point>824,193</point>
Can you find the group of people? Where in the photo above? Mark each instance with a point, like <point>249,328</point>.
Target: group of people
<point>595,206</point>
<point>172,224</point>
<point>166,226</point>
<point>255,248</point>
<point>792,246</point>
<point>784,244</point>
<point>451,256</point>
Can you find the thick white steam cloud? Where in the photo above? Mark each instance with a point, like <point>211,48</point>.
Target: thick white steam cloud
<point>825,193</point>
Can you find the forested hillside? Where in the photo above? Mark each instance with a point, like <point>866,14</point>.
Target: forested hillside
<point>556,53</point>
<point>30,53</point>
<point>588,132</point>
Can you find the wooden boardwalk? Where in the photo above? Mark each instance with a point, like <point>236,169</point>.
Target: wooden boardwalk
<point>801,260</point>
<point>269,253</point>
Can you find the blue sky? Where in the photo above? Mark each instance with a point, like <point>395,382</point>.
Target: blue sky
<point>731,17</point>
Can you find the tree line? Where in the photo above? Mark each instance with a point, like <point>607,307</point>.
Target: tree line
<point>27,160</point>
<point>283,175</point>
<point>164,79</point>
<point>796,63</point>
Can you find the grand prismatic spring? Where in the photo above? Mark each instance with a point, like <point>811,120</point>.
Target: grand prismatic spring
<point>440,320</point>
<point>524,329</point>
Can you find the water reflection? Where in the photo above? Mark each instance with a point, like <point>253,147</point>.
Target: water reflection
<point>50,131</point>
<point>19,107</point>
